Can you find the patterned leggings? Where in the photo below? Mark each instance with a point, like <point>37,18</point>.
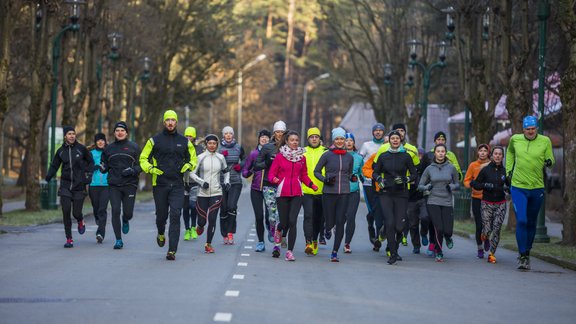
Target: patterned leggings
<point>270,202</point>
<point>492,218</point>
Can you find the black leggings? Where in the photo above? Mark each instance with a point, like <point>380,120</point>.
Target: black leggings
<point>99,197</point>
<point>229,209</point>
<point>121,199</point>
<point>207,208</point>
<point>374,217</point>
<point>257,199</point>
<point>334,206</point>
<point>189,210</point>
<point>443,221</point>
<point>394,219</point>
<point>353,202</point>
<point>477,212</point>
<point>74,206</point>
<point>169,200</point>
<point>313,217</point>
<point>288,209</point>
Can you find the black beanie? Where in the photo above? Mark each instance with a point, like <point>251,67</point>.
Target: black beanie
<point>99,136</point>
<point>264,132</point>
<point>66,129</point>
<point>211,137</point>
<point>439,134</point>
<point>399,125</point>
<point>121,124</point>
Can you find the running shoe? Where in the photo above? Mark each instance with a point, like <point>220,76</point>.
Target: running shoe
<point>125,227</point>
<point>328,234</point>
<point>283,244</point>
<point>404,240</point>
<point>449,242</point>
<point>416,250</point>
<point>208,248</point>
<point>260,247</point>
<point>81,227</point>
<point>388,251</point>
<point>277,237</point>
<point>160,240</point>
<point>99,238</point>
<point>118,245</point>
<point>347,248</point>
<point>171,256</point>
<point>486,245</point>
<point>193,233</point>
<point>289,256</point>
<point>225,240</point>
<point>187,235</point>
<point>276,252</point>
<point>491,258</point>
<point>392,259</point>
<point>424,240</point>
<point>480,254</point>
<point>199,230</point>
<point>398,257</point>
<point>230,238</point>
<point>527,262</point>
<point>334,257</point>
<point>377,246</point>
<point>430,251</point>
<point>322,241</point>
<point>69,243</point>
<point>523,263</point>
<point>309,250</point>
<point>315,247</point>
<point>271,237</point>
<point>439,257</point>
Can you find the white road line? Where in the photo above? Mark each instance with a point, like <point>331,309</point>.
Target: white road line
<point>248,247</point>
<point>232,293</point>
<point>250,240</point>
<point>245,254</point>
<point>242,264</point>
<point>222,317</point>
<point>252,230</point>
<point>252,234</point>
<point>238,277</point>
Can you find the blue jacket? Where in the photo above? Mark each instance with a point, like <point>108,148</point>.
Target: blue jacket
<point>357,170</point>
<point>98,179</point>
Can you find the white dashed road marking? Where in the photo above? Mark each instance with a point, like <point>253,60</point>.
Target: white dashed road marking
<point>238,277</point>
<point>222,317</point>
<point>242,264</point>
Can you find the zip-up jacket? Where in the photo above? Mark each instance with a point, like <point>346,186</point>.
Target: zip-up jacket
<point>210,167</point>
<point>248,170</point>
<point>337,164</point>
<point>471,174</point>
<point>313,155</point>
<point>450,156</point>
<point>234,154</point>
<point>368,171</point>
<point>168,152</point>
<point>356,170</point>
<point>526,159</point>
<point>292,176</point>
<point>366,151</point>
<point>188,183</point>
<point>118,156</point>
<point>98,178</point>
<point>390,165</point>
<point>77,166</point>
<point>264,161</point>
<point>496,175</point>
<point>440,175</point>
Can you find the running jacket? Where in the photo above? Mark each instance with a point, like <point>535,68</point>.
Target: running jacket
<point>234,154</point>
<point>312,157</point>
<point>525,160</point>
<point>366,151</point>
<point>357,170</point>
<point>210,167</point>
<point>118,156</point>
<point>410,149</point>
<point>77,166</point>
<point>98,178</point>
<point>472,173</point>
<point>167,152</point>
<point>496,175</point>
<point>264,161</point>
<point>335,163</point>
<point>390,165</point>
<point>450,156</point>
<point>248,170</point>
<point>440,175</point>
<point>292,176</point>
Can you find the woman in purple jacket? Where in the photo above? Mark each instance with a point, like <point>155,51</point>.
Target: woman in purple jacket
<point>256,195</point>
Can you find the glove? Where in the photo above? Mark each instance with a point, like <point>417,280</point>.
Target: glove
<point>409,179</point>
<point>227,186</point>
<point>330,180</point>
<point>548,163</point>
<point>128,172</point>
<point>380,182</point>
<point>427,189</point>
<point>508,181</point>
<point>87,177</point>
<point>186,167</point>
<point>205,185</point>
<point>237,167</point>
<point>225,153</point>
<point>156,171</point>
<point>398,180</point>
<point>354,178</point>
<point>314,187</point>
<point>488,186</point>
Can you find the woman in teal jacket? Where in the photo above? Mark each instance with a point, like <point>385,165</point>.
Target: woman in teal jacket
<point>354,196</point>
<point>98,191</point>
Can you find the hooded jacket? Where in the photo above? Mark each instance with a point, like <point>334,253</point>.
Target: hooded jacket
<point>292,176</point>
<point>210,167</point>
<point>390,165</point>
<point>471,174</point>
<point>496,175</point>
<point>118,156</point>
<point>264,161</point>
<point>248,170</point>
<point>77,166</point>
<point>444,179</point>
<point>337,164</point>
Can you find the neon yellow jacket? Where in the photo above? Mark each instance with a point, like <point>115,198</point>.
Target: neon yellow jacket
<point>526,159</point>
<point>312,157</point>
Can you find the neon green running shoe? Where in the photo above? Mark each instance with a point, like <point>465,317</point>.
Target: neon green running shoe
<point>194,233</point>
<point>187,235</point>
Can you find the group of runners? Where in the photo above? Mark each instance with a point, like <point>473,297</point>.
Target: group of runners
<point>408,191</point>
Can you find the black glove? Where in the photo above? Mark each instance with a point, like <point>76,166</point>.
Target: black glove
<point>380,182</point>
<point>205,185</point>
<point>128,172</point>
<point>488,186</point>
<point>398,180</point>
<point>87,177</point>
<point>448,188</point>
<point>227,186</point>
<point>508,181</point>
<point>548,163</point>
<point>330,180</point>
<point>354,178</point>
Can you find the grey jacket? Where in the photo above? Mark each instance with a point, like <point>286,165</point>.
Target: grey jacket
<point>338,167</point>
<point>440,180</point>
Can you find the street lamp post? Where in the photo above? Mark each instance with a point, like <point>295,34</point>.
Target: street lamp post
<point>426,71</point>
<point>304,102</point>
<point>543,15</point>
<point>240,81</point>
<point>113,56</point>
<point>142,78</point>
<point>56,42</point>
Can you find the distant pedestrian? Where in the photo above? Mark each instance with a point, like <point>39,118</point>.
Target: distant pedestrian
<point>98,189</point>
<point>526,157</point>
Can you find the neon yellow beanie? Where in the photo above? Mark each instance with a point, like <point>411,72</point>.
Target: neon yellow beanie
<point>313,131</point>
<point>190,131</point>
<point>170,114</point>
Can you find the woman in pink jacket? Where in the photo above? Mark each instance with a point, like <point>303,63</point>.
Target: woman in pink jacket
<point>289,171</point>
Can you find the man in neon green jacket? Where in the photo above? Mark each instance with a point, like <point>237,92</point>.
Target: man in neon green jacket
<point>167,156</point>
<point>526,157</point>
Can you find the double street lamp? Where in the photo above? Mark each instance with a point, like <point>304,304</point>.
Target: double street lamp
<point>239,84</point>
<point>146,62</point>
<point>305,101</point>
<point>113,55</point>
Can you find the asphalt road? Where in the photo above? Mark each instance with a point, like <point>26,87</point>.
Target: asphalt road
<point>41,282</point>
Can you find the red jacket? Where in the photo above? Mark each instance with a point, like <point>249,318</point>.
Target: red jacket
<point>291,176</point>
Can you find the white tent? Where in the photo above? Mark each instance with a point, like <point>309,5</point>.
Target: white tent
<point>359,121</point>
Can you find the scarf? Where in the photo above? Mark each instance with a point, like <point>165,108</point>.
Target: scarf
<point>399,149</point>
<point>380,141</point>
<point>339,151</point>
<point>228,144</point>
<point>292,155</point>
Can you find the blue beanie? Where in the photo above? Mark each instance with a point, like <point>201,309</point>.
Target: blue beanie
<point>350,135</point>
<point>530,121</point>
<point>338,132</point>
<point>379,126</point>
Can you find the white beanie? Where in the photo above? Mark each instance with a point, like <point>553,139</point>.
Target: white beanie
<point>227,129</point>
<point>279,126</point>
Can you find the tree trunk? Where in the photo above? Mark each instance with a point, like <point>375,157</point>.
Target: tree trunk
<point>5,33</point>
<point>288,71</point>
